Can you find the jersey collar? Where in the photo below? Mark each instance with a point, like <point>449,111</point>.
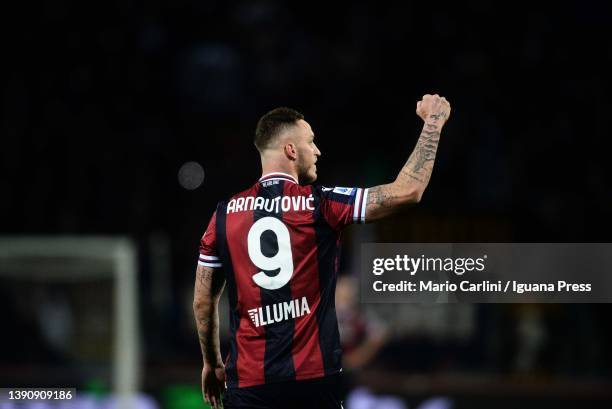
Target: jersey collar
<point>278,176</point>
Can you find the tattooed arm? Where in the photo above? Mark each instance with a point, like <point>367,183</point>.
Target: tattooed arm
<point>412,180</point>
<point>208,287</point>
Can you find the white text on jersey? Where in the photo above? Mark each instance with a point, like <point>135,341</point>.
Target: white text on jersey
<point>278,312</point>
<point>284,203</point>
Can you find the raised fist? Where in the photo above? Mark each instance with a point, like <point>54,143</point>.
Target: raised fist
<point>433,109</point>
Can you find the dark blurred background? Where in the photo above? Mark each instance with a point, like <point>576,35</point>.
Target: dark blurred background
<point>104,102</point>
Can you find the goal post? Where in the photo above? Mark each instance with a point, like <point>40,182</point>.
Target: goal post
<point>76,259</point>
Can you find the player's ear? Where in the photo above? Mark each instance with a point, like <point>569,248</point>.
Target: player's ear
<point>290,151</point>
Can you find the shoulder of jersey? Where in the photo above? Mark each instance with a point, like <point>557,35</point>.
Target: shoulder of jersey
<point>339,190</point>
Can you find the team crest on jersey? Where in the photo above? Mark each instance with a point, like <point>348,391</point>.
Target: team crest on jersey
<point>343,190</point>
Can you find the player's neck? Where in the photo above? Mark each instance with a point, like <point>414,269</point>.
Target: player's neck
<point>271,168</point>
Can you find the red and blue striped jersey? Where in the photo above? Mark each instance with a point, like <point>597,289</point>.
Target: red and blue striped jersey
<point>278,244</point>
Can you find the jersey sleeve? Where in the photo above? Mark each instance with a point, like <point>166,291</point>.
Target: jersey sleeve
<point>208,246</point>
<point>341,206</point>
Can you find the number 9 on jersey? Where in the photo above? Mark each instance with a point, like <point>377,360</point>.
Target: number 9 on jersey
<point>282,260</point>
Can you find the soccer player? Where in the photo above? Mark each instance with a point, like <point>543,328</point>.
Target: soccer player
<point>275,246</point>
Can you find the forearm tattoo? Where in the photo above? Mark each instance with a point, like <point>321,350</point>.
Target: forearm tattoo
<point>207,290</point>
<point>417,168</point>
<point>420,163</point>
